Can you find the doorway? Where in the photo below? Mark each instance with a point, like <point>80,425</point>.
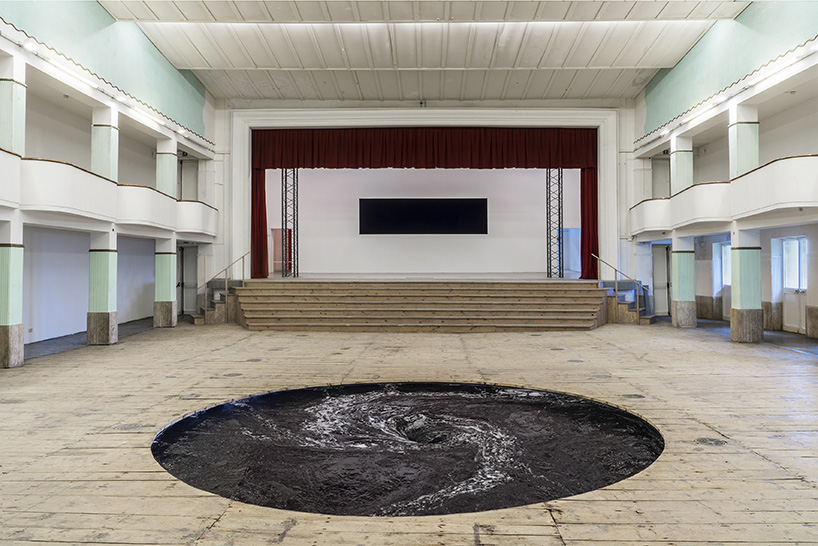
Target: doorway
<point>795,284</point>
<point>661,280</point>
<point>186,279</point>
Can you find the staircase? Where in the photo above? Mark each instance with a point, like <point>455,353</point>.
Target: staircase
<point>403,306</point>
<point>627,304</point>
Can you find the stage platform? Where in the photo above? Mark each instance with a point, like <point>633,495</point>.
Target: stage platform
<point>414,304</point>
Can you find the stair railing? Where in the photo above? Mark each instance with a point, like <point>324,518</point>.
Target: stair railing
<point>226,271</point>
<point>617,272</point>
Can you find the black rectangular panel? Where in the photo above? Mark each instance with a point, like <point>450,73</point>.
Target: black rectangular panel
<point>424,216</point>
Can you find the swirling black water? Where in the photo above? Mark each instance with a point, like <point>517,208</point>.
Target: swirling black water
<point>401,449</point>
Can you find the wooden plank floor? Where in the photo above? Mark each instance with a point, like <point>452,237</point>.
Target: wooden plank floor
<point>740,423</point>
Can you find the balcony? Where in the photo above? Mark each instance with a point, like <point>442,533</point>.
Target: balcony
<point>48,186</point>
<point>765,197</point>
<point>9,187</point>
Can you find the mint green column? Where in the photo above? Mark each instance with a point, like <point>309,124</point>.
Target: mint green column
<point>105,143</point>
<point>681,164</point>
<point>166,168</point>
<point>164,305</point>
<point>742,138</point>
<point>11,305</point>
<point>746,316</point>
<point>683,290</point>
<point>103,323</point>
<point>13,105</point>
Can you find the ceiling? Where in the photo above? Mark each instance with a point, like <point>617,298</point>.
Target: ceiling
<point>433,50</point>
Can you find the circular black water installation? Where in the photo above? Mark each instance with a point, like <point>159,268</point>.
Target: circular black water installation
<point>406,449</point>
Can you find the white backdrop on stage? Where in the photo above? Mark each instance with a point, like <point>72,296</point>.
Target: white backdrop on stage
<point>329,242</point>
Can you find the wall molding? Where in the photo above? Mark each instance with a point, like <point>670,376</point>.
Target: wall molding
<point>244,121</point>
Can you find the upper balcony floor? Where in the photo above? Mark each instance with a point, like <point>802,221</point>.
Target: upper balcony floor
<point>782,192</point>
<point>57,193</point>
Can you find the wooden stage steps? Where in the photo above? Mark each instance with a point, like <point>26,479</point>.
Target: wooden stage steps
<point>421,306</point>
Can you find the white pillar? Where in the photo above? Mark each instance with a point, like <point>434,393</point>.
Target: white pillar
<point>103,323</point>
<point>681,163</point>
<point>742,136</point>
<point>164,305</point>
<point>105,143</point>
<point>167,171</point>
<point>683,281</point>
<point>746,316</point>
<point>13,104</point>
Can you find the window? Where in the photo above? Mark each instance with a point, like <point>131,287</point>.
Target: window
<point>795,263</point>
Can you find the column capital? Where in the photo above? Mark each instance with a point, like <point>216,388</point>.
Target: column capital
<point>13,68</point>
<point>683,243</point>
<point>104,240</point>
<point>742,113</point>
<point>681,144</point>
<point>744,238</point>
<point>166,146</point>
<point>106,116</point>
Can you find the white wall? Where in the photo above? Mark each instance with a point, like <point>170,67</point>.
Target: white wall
<point>328,222</point>
<point>137,164</point>
<point>710,162</point>
<point>55,283</point>
<point>55,133</point>
<point>792,132</point>
<point>135,278</point>
<point>660,177</point>
<point>189,179</point>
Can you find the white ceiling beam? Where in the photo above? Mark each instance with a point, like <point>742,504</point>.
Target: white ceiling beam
<point>341,11</point>
<point>199,46</point>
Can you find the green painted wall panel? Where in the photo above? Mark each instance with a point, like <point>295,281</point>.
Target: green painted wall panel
<point>13,117</point>
<point>11,285</point>
<point>116,51</point>
<point>102,282</point>
<point>105,152</point>
<point>730,50</point>
<point>165,279</point>
<point>683,276</point>
<point>746,287</point>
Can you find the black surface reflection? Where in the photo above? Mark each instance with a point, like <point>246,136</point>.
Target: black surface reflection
<point>401,449</point>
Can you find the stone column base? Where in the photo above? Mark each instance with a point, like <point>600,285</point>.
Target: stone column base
<point>683,314</point>
<point>103,328</point>
<point>747,325</point>
<point>164,314</point>
<point>773,315</point>
<point>11,346</point>
<point>812,321</point>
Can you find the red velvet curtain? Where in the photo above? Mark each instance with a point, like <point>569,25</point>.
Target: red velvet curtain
<point>259,260</point>
<point>589,222</point>
<point>425,148</point>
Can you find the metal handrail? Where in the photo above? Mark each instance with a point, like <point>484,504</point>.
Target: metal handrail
<point>226,280</point>
<point>225,270</point>
<point>616,283</point>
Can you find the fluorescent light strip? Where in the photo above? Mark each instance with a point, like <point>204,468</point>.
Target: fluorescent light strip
<point>146,118</point>
<point>73,75</point>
